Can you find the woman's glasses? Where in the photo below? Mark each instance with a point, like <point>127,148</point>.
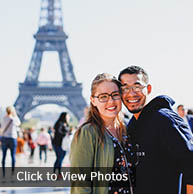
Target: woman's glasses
<point>104,97</point>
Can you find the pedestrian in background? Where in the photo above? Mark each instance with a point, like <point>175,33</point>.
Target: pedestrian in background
<point>20,156</point>
<point>32,136</point>
<point>44,142</point>
<point>20,143</point>
<point>61,128</point>
<point>9,129</point>
<point>190,112</point>
<point>51,132</point>
<point>188,118</point>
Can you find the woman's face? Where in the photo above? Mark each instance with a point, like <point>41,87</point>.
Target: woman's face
<point>67,118</point>
<point>107,99</point>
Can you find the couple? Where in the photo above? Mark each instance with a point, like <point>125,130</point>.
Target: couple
<point>154,149</point>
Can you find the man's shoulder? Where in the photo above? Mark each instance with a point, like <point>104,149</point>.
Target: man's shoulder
<point>166,116</point>
<point>158,117</point>
<point>166,112</point>
<point>169,114</point>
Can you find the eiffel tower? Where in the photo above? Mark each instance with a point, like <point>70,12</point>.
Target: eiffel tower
<point>50,37</point>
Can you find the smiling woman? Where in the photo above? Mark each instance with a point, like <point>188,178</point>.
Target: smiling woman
<point>107,107</point>
<point>102,142</point>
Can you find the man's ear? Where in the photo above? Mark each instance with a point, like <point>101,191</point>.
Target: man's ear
<point>149,88</point>
<point>92,101</point>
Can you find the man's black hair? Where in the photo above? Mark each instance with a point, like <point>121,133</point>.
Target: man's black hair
<point>134,70</point>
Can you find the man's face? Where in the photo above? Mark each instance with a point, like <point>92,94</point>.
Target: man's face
<point>134,92</point>
<point>181,111</point>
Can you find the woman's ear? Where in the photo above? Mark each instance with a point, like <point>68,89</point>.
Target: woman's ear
<point>92,100</point>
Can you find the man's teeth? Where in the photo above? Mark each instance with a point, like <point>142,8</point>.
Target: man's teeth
<point>133,101</point>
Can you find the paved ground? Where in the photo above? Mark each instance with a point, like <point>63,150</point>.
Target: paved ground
<point>41,190</point>
<point>22,161</point>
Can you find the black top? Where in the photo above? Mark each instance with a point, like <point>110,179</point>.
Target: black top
<point>165,148</point>
<point>60,131</point>
<point>124,159</point>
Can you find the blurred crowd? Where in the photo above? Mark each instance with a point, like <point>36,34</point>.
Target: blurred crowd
<point>50,138</point>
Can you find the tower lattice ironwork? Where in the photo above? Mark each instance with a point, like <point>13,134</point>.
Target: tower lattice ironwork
<point>50,37</point>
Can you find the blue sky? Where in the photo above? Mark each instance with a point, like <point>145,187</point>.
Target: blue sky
<point>104,36</point>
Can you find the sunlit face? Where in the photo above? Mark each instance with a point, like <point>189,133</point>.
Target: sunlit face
<point>135,100</point>
<point>108,110</point>
<point>181,111</point>
<point>67,118</point>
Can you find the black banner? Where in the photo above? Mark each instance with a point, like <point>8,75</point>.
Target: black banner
<point>69,177</point>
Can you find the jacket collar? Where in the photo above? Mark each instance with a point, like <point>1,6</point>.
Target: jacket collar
<point>155,104</point>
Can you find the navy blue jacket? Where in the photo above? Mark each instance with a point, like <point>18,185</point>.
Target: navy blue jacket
<point>190,121</point>
<point>165,148</point>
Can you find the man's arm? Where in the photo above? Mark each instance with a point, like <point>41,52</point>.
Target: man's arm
<point>178,143</point>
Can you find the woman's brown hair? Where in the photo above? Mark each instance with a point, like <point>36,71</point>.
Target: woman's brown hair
<point>93,116</point>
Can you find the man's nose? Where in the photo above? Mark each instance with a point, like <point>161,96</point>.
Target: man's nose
<point>131,92</point>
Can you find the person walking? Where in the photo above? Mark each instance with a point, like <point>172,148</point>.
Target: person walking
<point>61,128</point>
<point>101,141</point>
<point>9,129</point>
<point>20,154</point>
<point>32,136</point>
<point>44,142</point>
<point>165,142</point>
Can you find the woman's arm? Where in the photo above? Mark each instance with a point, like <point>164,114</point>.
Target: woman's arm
<point>82,157</point>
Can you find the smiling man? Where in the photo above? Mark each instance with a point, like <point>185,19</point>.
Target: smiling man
<point>164,141</point>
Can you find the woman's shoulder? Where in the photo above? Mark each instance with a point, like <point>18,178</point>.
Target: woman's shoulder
<point>88,130</point>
